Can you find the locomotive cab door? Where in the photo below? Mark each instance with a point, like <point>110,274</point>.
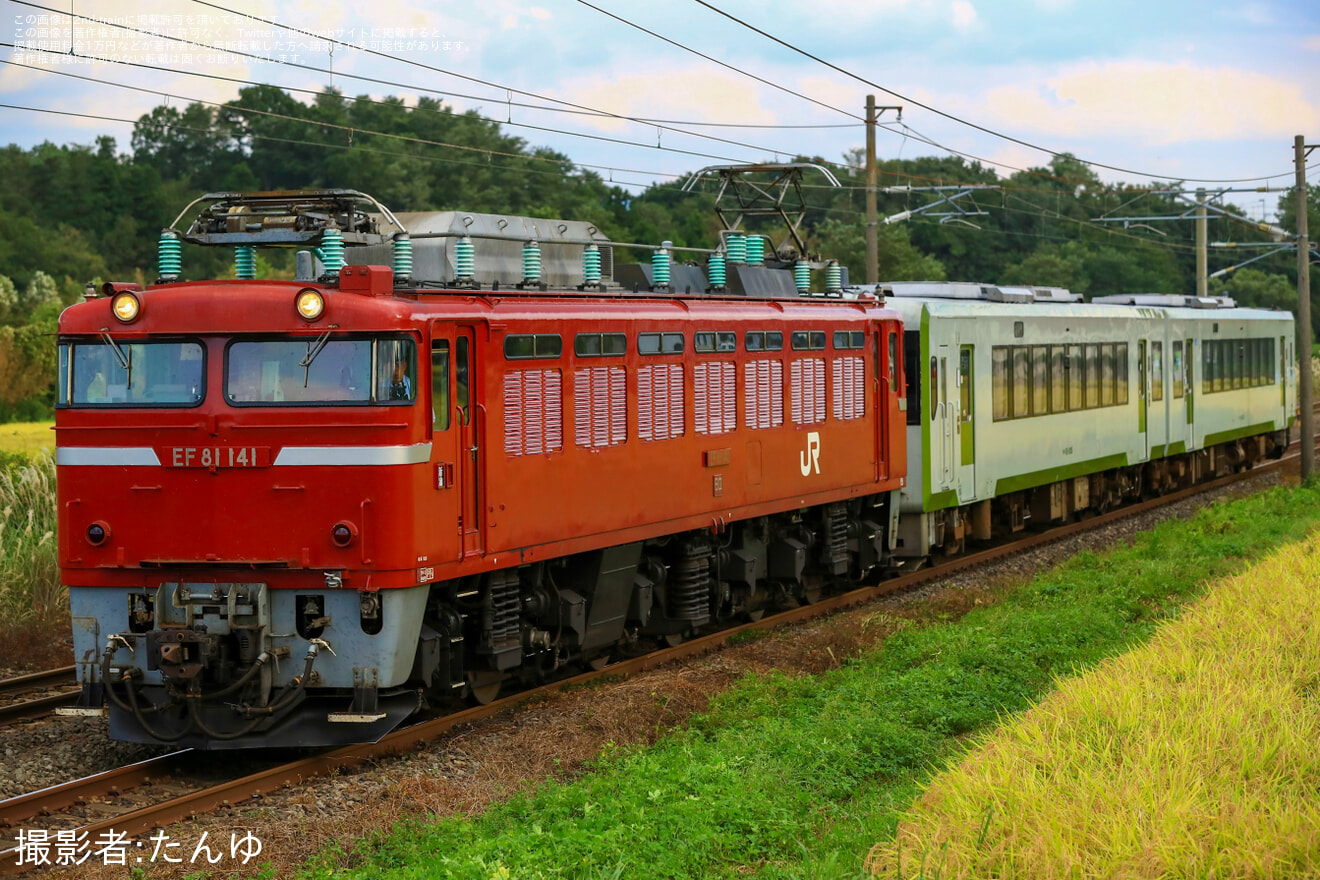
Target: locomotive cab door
<point>455,448</point>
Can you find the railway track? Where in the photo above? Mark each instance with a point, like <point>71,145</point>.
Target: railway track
<point>172,775</point>
<point>22,710</point>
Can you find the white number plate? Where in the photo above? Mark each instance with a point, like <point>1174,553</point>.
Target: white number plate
<point>216,456</point>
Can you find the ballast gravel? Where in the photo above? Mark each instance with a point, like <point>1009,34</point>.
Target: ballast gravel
<point>552,738</point>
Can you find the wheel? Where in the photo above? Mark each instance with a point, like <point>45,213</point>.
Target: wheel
<point>484,686</point>
<point>599,663</point>
<point>673,640</point>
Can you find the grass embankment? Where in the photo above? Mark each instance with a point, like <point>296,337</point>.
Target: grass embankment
<point>799,777</point>
<point>1193,755</point>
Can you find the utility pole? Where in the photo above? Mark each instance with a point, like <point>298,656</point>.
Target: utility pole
<point>1202,282</point>
<point>1300,152</point>
<point>872,221</point>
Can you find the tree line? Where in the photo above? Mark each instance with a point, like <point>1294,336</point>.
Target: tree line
<point>74,213</point>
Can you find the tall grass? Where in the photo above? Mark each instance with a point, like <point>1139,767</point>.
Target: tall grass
<point>29,566</point>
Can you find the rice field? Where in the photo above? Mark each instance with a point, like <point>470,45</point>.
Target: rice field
<point>27,438</point>
<point>1191,756</point>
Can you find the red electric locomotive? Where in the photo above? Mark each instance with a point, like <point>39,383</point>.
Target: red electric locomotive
<point>292,512</point>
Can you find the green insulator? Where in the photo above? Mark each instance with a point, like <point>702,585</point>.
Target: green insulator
<point>169,255</point>
<point>465,259</point>
<point>833,277</point>
<point>755,250</point>
<point>531,263</point>
<point>591,265</point>
<point>402,247</point>
<point>332,251</point>
<point>736,247</point>
<point>245,262</point>
<point>802,276</point>
<point>715,270</point>
<point>660,267</point>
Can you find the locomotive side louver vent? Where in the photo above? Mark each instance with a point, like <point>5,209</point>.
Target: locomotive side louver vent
<point>808,389</point>
<point>763,394</point>
<point>715,397</point>
<point>533,412</point>
<point>849,388</point>
<point>600,405</point>
<point>660,401</point>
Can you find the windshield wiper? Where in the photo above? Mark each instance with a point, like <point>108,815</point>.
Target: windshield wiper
<point>313,349</point>
<point>125,361</point>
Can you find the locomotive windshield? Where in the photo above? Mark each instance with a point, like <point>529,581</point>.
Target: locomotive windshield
<point>105,373</point>
<point>279,372</point>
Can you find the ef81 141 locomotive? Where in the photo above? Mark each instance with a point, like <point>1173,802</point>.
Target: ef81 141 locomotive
<point>291,512</point>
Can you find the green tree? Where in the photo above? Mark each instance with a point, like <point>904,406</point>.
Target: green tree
<point>8,298</point>
<point>898,259</point>
<point>41,290</point>
<point>1052,265</point>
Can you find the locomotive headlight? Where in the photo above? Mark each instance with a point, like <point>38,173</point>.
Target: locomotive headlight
<point>126,307</point>
<point>310,304</point>
<point>98,533</point>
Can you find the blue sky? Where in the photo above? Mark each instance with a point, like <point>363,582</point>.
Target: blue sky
<point>1168,88</point>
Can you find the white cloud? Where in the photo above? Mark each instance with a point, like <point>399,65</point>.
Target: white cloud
<point>1155,103</point>
<point>963,15</point>
<point>677,93</point>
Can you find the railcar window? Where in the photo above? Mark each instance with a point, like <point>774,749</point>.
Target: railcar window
<point>727,341</point>
<point>754,340</point>
<point>1091,380</point>
<point>934,387</point>
<point>912,373</point>
<point>1021,381</point>
<point>440,384</point>
<point>1040,380</point>
<point>1157,371</point>
<point>1121,375</point>
<point>1229,364</point>
<point>132,374</point>
<point>1075,364</point>
<point>999,380</point>
<point>774,340</point>
<point>600,344</point>
<point>1058,380</point>
<point>660,343</point>
<point>1177,369</point>
<point>703,342</point>
<point>524,346</point>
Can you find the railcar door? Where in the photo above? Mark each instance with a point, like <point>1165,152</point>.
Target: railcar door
<point>1143,395</point>
<point>1189,358</point>
<point>942,421</point>
<point>966,425</point>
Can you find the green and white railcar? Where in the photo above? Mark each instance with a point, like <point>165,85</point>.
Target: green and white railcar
<point>1026,404</point>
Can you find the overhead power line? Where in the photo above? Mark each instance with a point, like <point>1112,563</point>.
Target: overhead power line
<point>291,64</point>
<point>990,131</point>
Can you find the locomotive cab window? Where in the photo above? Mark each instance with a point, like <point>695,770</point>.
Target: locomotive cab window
<point>97,373</point>
<point>320,371</point>
<point>808,340</point>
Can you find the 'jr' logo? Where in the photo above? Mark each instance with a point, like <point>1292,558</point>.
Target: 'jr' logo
<point>811,457</point>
